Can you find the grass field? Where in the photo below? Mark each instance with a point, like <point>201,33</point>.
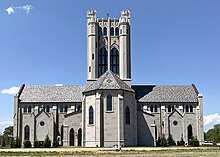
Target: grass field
<point>128,151</point>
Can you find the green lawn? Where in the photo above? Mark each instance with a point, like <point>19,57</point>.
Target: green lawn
<point>133,151</point>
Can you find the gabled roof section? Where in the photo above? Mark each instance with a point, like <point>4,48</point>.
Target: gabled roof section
<point>51,94</point>
<point>109,80</point>
<point>161,94</point>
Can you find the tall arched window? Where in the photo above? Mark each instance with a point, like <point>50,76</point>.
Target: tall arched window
<point>191,108</point>
<point>91,115</point>
<point>169,108</point>
<point>100,31</point>
<point>187,108</point>
<point>26,133</point>
<point>29,109</point>
<point>103,61</point>
<point>104,31</point>
<point>116,31</point>
<point>114,61</point>
<point>127,115</point>
<point>109,102</point>
<point>112,31</point>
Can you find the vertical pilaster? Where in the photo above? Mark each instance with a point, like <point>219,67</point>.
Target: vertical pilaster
<point>109,41</point>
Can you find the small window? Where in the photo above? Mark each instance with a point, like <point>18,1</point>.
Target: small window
<point>25,109</point>
<point>155,108</point>
<point>29,109</point>
<point>92,56</point>
<point>151,108</point>
<point>61,108</point>
<point>173,108</point>
<point>91,115</point>
<point>66,108</point>
<point>104,31</point>
<point>175,122</point>
<point>78,107</point>
<point>169,108</point>
<point>100,31</point>
<point>127,115</point>
<point>42,123</point>
<point>191,108</point>
<point>89,68</point>
<point>187,108</point>
<point>116,31</point>
<point>112,31</point>
<point>48,108</point>
<point>109,102</point>
<point>120,31</point>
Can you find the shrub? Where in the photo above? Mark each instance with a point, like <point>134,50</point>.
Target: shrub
<point>12,143</point>
<point>171,140</point>
<point>162,141</point>
<point>194,142</point>
<point>47,142</point>
<point>36,144</point>
<point>181,142</point>
<point>27,144</point>
<point>55,143</point>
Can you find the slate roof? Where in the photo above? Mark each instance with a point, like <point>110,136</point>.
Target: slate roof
<point>52,94</point>
<point>109,80</point>
<point>153,93</point>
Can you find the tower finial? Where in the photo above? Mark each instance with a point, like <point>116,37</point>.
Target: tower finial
<point>107,15</point>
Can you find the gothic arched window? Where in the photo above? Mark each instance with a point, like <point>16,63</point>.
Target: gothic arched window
<point>26,133</point>
<point>109,102</point>
<point>127,115</point>
<point>114,61</point>
<point>112,31</point>
<point>116,31</point>
<point>91,115</point>
<point>100,31</point>
<point>104,31</point>
<point>173,108</point>
<point>103,62</point>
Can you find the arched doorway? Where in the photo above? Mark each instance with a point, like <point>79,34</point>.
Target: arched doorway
<point>190,133</point>
<point>80,137</point>
<point>72,137</point>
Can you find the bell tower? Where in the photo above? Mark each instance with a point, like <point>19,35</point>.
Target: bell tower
<point>108,46</point>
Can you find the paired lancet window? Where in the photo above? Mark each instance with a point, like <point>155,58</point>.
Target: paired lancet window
<point>91,115</point>
<point>154,108</point>
<point>63,108</point>
<point>171,108</point>
<point>27,109</point>
<point>189,108</point>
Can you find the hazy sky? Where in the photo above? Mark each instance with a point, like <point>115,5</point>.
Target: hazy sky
<point>174,42</point>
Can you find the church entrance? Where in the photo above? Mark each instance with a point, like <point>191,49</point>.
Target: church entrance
<point>189,128</point>
<point>80,137</point>
<point>72,137</point>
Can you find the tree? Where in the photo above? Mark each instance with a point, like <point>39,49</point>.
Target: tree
<point>7,136</point>
<point>213,134</point>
